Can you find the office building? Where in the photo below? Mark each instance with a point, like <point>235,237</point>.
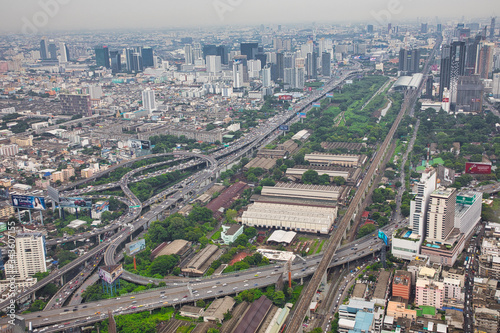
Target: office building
<point>222,52</point>
<point>439,28</point>
<point>102,56</point>
<point>418,206</point>
<point>249,50</point>
<point>471,55</point>
<point>52,48</point>
<point>116,61</point>
<point>64,53</point>
<point>30,256</point>
<point>238,74</point>
<point>492,28</point>
<point>134,60</point>
<point>312,66</point>
<point>73,104</point>
<point>280,66</point>
<point>484,60</point>
<point>326,69</point>
<point>369,28</point>
<point>214,64</point>
<point>469,94</point>
<point>496,86</point>
<point>266,76</point>
<point>43,48</point>
<point>147,57</point>
<point>209,50</point>
<point>468,211</point>
<point>148,100</point>
<point>441,214</point>
<point>423,28</point>
<point>452,66</point>
<point>409,60</point>
<point>188,54</point>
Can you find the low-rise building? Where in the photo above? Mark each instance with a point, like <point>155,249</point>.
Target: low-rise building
<point>401,285</point>
<point>399,310</point>
<point>230,233</point>
<point>215,312</point>
<point>191,311</point>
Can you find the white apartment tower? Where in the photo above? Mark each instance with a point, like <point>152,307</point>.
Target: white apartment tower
<point>30,256</point>
<point>418,206</point>
<point>148,100</point>
<point>441,214</point>
<point>214,64</point>
<point>188,54</point>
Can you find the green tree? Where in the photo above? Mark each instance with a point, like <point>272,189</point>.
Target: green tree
<point>366,230</point>
<point>310,177</point>
<point>200,303</point>
<point>163,264</point>
<point>279,298</point>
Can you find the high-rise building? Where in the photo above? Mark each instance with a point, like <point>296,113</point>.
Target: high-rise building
<point>64,53</point>
<point>30,256</point>
<point>116,61</point>
<point>401,285</point>
<point>213,64</point>
<point>197,52</point>
<point>471,55</point>
<point>147,57</point>
<point>409,60</point>
<point>419,205</point>
<point>468,211</point>
<point>484,59</point>
<point>369,28</point>
<point>148,100</point>
<point>423,28</point>
<point>249,50</point>
<point>312,66</point>
<point>266,76</point>
<point>439,27</point>
<point>326,69</point>
<point>102,56</point>
<point>134,60</point>
<point>188,55</point>
<point>222,52</point>
<point>52,50</point>
<point>209,50</point>
<point>74,104</point>
<point>300,74</point>
<point>469,94</point>
<point>452,66</point>
<point>43,48</point>
<point>441,214</point>
<point>289,76</point>
<point>280,66</point>
<point>496,85</point>
<point>492,28</point>
<point>239,70</point>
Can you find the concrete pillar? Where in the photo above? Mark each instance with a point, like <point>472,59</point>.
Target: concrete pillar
<point>98,238</point>
<point>62,280</point>
<point>324,278</point>
<point>301,281</point>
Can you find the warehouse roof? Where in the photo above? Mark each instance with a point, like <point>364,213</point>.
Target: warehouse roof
<point>289,213</point>
<point>317,192</point>
<point>218,307</point>
<point>254,316</point>
<point>281,236</point>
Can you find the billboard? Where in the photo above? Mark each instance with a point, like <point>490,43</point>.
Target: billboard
<point>134,247</point>
<point>28,201</point>
<point>285,97</point>
<point>316,105</point>
<point>476,168</point>
<point>53,193</point>
<point>329,95</point>
<point>301,114</point>
<point>283,128</point>
<point>145,144</point>
<point>110,274</point>
<point>383,237</point>
<point>75,202</point>
<point>101,207</point>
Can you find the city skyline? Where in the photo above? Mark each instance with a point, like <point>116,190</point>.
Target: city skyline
<point>54,15</point>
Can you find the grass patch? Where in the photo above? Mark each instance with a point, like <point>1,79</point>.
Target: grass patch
<point>321,246</point>
<point>216,235</point>
<point>313,246</point>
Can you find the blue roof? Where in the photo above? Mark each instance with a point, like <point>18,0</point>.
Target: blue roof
<point>363,322</point>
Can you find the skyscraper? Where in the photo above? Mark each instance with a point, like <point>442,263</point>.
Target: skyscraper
<point>249,50</point>
<point>452,66</point>
<point>492,28</point>
<point>439,27</point>
<point>147,57</point>
<point>222,52</point>
<point>326,69</point>
<point>409,60</point>
<point>148,100</point>
<point>312,66</point>
<point>116,61</point>
<point>64,53</point>
<point>471,55</point>
<point>134,60</point>
<point>484,59</point>
<point>266,76</point>
<point>470,94</point>
<point>43,48</point>
<point>52,50</point>
<point>102,56</point>
<point>496,85</point>
<point>238,73</point>
<point>209,50</point>
<point>418,206</point>
<point>423,28</point>
<point>188,55</point>
<point>441,214</point>
<point>213,64</point>
<point>30,256</point>
<point>369,28</point>
<point>280,64</point>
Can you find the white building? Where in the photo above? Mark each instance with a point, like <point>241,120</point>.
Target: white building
<point>238,74</point>
<point>254,67</point>
<point>214,64</point>
<point>9,150</point>
<point>468,211</point>
<point>230,233</point>
<point>148,100</point>
<point>496,85</point>
<point>266,77</point>
<point>29,257</point>
<point>452,290</point>
<point>418,206</point>
<point>188,54</point>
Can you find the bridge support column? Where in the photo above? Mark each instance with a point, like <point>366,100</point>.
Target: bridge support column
<point>74,242</point>
<point>33,297</point>
<point>62,280</point>
<point>324,278</point>
<point>131,237</point>
<point>301,281</point>
<point>98,238</point>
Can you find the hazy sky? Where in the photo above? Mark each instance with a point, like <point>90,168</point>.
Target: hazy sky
<point>46,15</point>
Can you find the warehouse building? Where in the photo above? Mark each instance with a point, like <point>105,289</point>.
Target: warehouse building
<point>351,175</point>
<point>261,162</point>
<point>290,217</point>
<point>178,247</point>
<point>200,263</point>
<point>303,194</point>
<point>215,312</point>
<point>318,159</point>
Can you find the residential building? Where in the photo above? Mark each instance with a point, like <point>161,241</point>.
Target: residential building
<point>441,214</point>
<point>9,150</point>
<point>73,104</point>
<point>30,256</point>
<point>399,310</point>
<point>401,285</point>
<point>429,292</point>
<point>486,320</point>
<point>148,100</point>
<point>213,64</point>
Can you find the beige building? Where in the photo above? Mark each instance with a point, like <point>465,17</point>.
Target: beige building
<point>399,310</point>
<point>57,176</point>
<point>30,256</point>
<point>22,141</point>
<point>6,210</point>
<point>441,214</point>
<point>319,159</point>
<point>87,173</point>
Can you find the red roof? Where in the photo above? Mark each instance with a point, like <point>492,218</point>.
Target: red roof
<point>365,214</point>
